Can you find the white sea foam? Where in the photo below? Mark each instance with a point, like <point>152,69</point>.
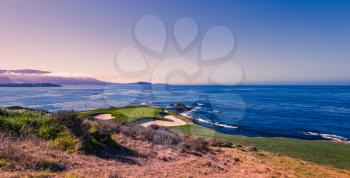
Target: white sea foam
<point>217,124</point>
<point>186,113</point>
<point>329,136</point>
<point>190,112</point>
<point>312,133</point>
<point>334,137</point>
<point>225,126</point>
<point>214,111</point>
<point>196,108</point>
<point>204,121</point>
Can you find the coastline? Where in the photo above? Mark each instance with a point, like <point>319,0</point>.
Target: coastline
<point>255,112</point>
<point>219,126</point>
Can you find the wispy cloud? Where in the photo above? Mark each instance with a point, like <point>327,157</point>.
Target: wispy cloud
<point>37,73</point>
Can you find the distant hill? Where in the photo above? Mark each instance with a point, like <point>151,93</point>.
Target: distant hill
<point>30,85</point>
<point>37,76</point>
<point>24,71</point>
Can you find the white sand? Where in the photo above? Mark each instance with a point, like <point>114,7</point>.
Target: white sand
<point>104,117</point>
<point>174,122</point>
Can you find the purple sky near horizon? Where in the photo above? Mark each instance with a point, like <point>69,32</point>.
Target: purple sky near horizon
<point>277,41</point>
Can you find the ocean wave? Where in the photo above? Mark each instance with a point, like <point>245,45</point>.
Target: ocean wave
<point>190,112</point>
<point>225,125</point>
<point>187,113</point>
<point>199,104</point>
<point>329,136</point>
<point>204,121</point>
<point>217,124</point>
<point>214,111</point>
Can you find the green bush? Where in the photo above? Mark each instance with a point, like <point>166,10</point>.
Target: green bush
<point>65,141</point>
<point>92,137</point>
<point>28,122</point>
<point>66,130</point>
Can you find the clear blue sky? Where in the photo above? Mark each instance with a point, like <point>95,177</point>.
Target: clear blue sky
<point>277,40</point>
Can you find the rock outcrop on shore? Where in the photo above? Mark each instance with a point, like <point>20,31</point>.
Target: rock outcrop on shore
<point>181,107</point>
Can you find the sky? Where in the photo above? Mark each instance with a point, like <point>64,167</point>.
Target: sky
<point>275,41</point>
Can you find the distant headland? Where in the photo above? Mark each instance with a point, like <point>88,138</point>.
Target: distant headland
<point>30,77</point>
<point>30,85</point>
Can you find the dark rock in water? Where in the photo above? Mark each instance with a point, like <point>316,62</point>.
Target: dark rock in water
<point>181,107</point>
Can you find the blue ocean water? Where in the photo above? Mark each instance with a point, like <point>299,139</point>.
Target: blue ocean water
<point>307,112</point>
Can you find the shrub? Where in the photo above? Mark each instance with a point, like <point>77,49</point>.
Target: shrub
<point>92,137</point>
<point>252,148</point>
<point>72,121</point>
<point>220,143</point>
<point>163,137</point>
<point>195,145</point>
<point>27,122</point>
<point>154,126</point>
<point>25,108</point>
<point>15,107</point>
<point>154,134</point>
<point>65,141</point>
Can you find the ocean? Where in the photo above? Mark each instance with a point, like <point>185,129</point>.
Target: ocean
<point>305,112</point>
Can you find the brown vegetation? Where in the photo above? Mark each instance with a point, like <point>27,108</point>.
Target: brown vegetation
<point>156,161</point>
<point>15,157</point>
<point>103,148</point>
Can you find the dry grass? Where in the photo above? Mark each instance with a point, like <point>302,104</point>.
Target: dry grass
<point>14,155</point>
<point>154,134</point>
<point>195,145</point>
<point>163,161</point>
<point>134,151</point>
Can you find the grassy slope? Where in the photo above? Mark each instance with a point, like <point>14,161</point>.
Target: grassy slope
<point>129,114</point>
<point>43,125</point>
<point>321,152</point>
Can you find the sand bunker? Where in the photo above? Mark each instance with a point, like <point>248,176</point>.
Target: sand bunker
<point>174,122</point>
<point>104,117</point>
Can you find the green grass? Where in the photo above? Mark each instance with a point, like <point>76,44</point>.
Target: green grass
<point>321,152</point>
<point>64,130</point>
<point>128,114</point>
<point>25,122</point>
<point>46,126</point>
